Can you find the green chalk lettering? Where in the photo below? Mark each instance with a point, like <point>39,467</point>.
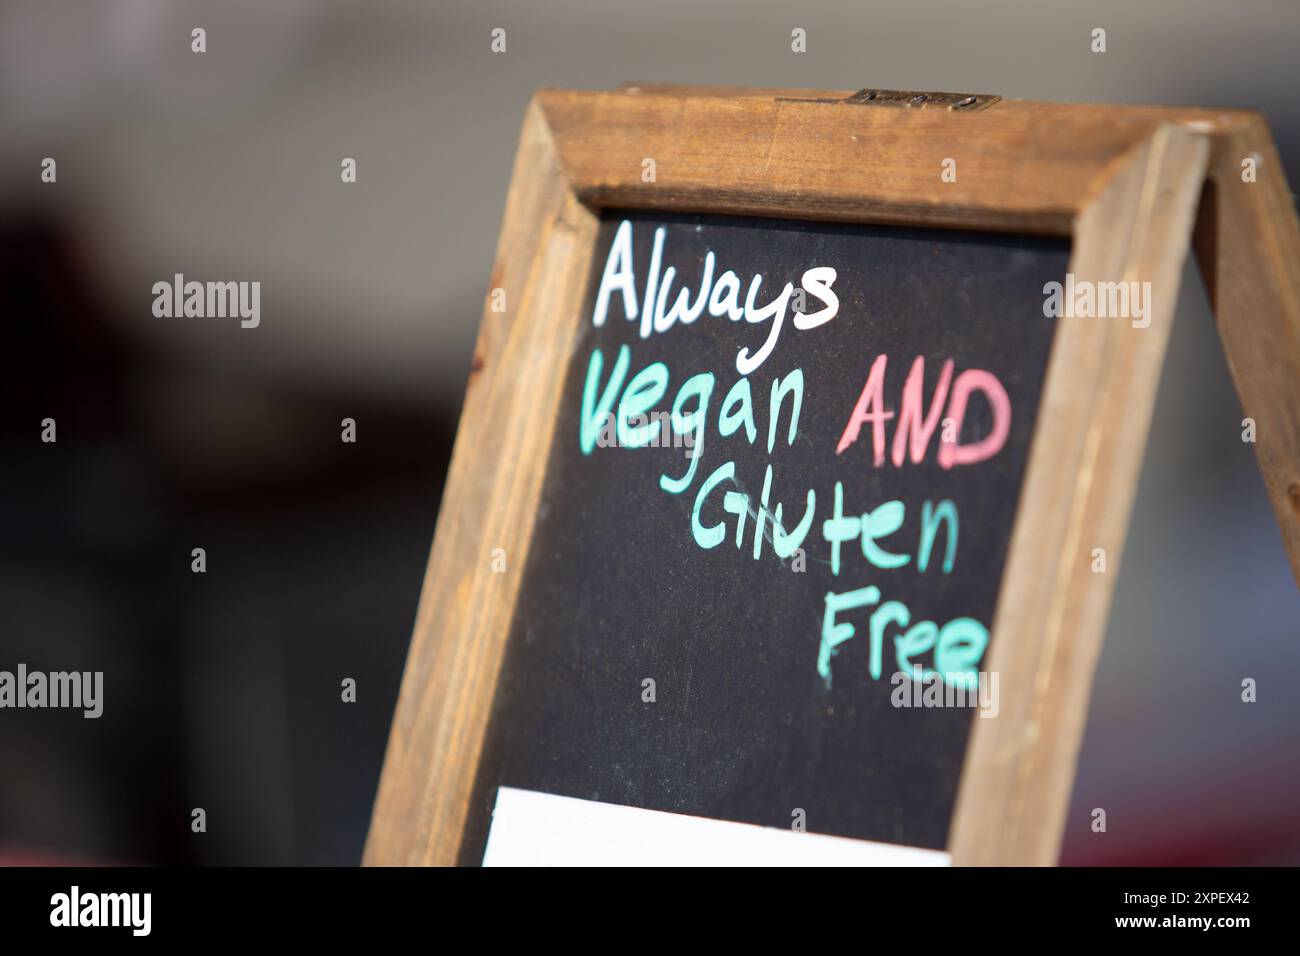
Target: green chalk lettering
<point>792,383</point>
<point>891,612</point>
<point>711,536</point>
<point>881,522</point>
<point>961,645</point>
<point>761,517</point>
<point>931,518</point>
<point>736,503</point>
<point>643,393</point>
<point>837,528</point>
<point>787,543</point>
<point>916,640</point>
<point>729,419</point>
<point>594,418</point>
<point>700,388</point>
<point>836,633</point>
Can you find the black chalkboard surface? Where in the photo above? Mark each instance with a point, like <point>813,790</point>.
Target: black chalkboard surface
<point>777,671</point>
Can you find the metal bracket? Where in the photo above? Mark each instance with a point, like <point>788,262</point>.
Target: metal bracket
<point>907,99</point>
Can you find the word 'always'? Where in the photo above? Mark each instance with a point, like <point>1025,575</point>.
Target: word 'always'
<point>720,296</point>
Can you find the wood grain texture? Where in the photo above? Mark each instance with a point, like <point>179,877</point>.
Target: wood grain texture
<point>1100,173</point>
<point>1078,492</point>
<point>489,502</point>
<point>1248,246</point>
<point>1021,167</point>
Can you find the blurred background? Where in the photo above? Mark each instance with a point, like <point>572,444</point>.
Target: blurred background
<point>223,688</point>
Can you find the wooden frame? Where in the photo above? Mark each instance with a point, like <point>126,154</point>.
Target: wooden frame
<point>1126,183</point>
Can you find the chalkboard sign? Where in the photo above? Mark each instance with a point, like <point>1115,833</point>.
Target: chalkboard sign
<point>760,525</point>
<point>795,465</point>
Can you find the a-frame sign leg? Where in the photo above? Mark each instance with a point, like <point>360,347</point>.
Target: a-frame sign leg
<point>1247,242</point>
